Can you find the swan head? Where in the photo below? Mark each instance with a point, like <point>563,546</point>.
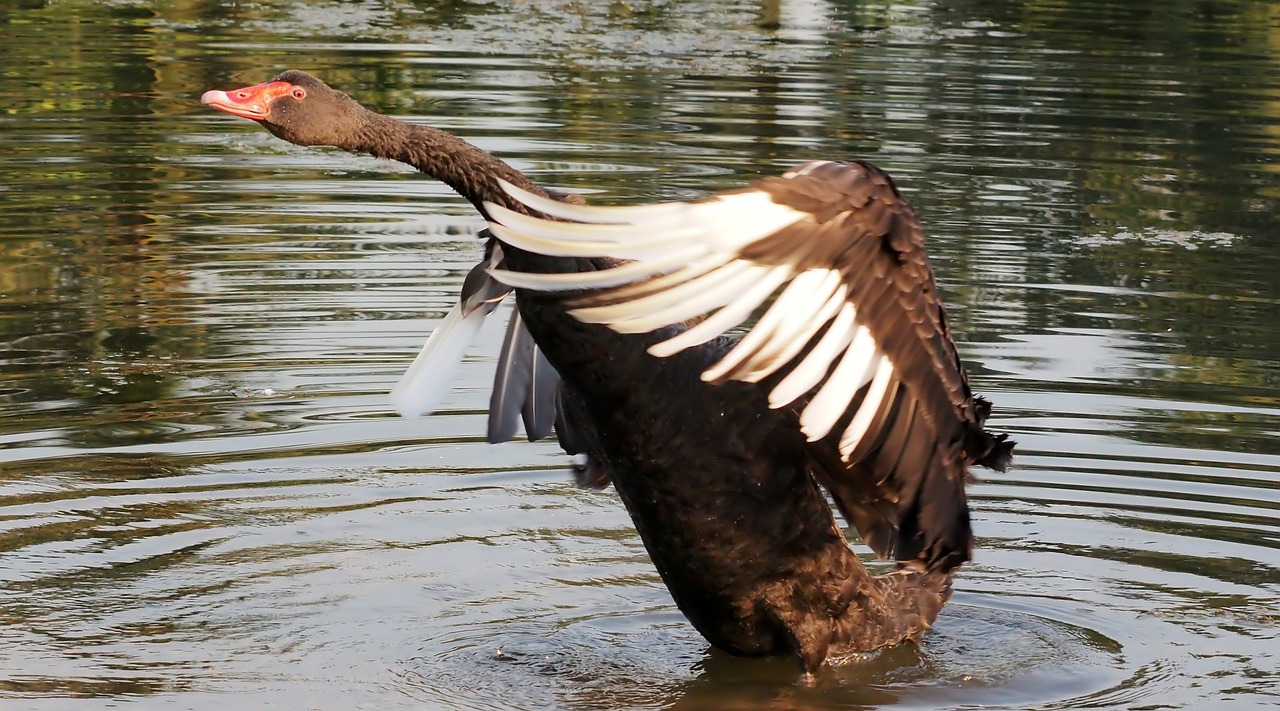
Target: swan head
<point>296,107</point>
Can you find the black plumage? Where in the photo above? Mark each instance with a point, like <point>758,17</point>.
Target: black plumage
<point>720,484</point>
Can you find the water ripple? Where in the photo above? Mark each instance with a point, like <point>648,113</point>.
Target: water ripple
<point>204,492</point>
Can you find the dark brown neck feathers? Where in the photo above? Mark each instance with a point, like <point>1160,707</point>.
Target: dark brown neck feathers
<point>472,172</point>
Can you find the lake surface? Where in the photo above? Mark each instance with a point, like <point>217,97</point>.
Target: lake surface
<point>206,501</point>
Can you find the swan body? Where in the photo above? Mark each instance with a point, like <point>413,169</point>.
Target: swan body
<point>717,445</point>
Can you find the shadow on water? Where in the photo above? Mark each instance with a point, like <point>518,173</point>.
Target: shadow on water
<point>203,493</point>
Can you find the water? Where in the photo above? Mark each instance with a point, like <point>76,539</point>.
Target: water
<point>205,499</point>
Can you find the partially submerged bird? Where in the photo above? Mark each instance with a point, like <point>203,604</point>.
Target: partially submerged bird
<point>717,445</point>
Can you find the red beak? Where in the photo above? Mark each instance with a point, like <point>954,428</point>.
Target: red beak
<point>251,102</point>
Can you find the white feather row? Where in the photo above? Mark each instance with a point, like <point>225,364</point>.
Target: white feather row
<point>686,265</point>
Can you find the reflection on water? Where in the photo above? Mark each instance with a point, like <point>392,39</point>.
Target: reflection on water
<point>203,491</point>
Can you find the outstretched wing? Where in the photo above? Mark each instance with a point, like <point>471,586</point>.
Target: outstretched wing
<point>853,335</point>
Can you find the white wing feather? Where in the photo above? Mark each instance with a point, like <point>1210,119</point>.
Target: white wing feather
<point>811,370</point>
<point>688,263</point>
<point>726,318</point>
<point>867,410</point>
<point>429,377</point>
<point>600,279</point>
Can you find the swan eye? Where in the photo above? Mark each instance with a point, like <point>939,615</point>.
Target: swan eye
<point>299,93</point>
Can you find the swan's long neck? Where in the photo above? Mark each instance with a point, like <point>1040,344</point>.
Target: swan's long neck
<point>472,172</point>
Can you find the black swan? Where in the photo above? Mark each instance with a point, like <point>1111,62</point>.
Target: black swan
<point>717,446</point>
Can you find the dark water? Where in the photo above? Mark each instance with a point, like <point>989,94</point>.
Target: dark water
<point>205,500</point>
